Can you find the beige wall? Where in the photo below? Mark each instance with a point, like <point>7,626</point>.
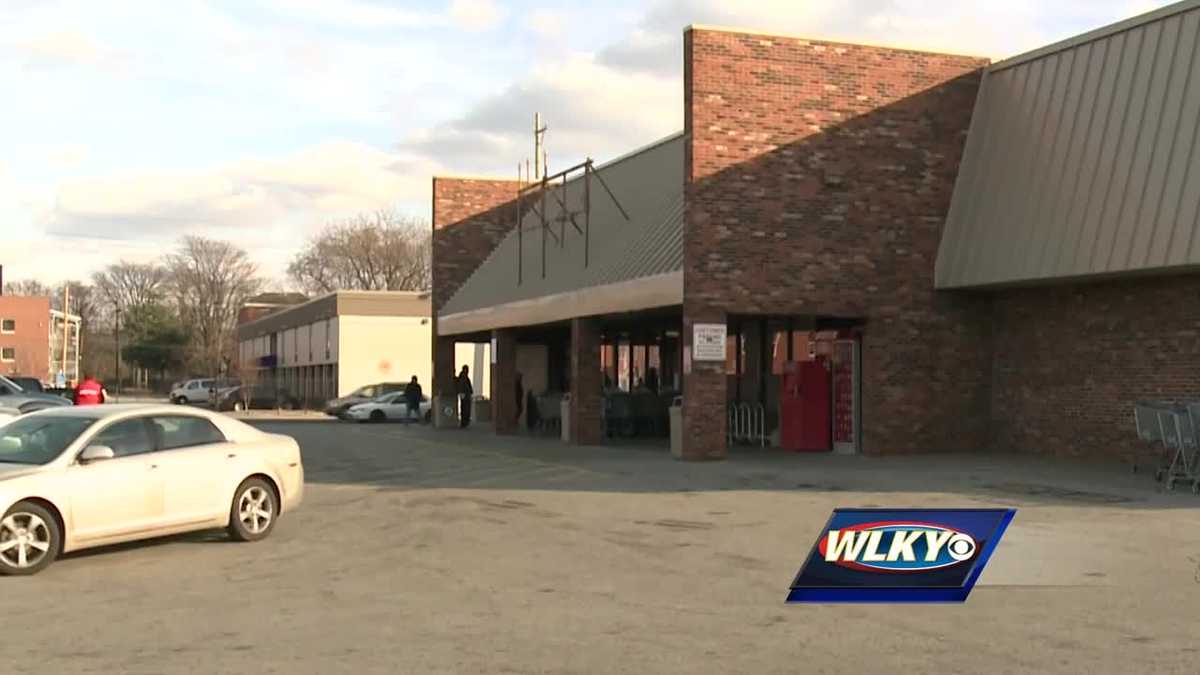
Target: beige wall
<point>369,350</point>
<point>375,349</point>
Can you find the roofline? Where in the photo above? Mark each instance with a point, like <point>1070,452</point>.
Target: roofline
<point>607,163</point>
<point>659,290</point>
<point>640,149</point>
<point>467,176</point>
<point>1097,34</point>
<point>827,41</point>
<point>419,295</point>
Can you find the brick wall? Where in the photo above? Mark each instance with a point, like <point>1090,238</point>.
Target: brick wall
<point>470,217</point>
<point>819,176</point>
<point>1072,360</point>
<point>469,220</point>
<point>30,341</point>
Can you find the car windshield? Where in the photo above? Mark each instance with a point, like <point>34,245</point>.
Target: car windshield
<point>12,385</point>
<point>38,439</point>
<point>367,392</point>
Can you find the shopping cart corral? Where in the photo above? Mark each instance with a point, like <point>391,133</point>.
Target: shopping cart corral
<point>1170,428</point>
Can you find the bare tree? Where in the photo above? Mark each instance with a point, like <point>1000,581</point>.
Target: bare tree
<point>27,287</point>
<point>383,251</point>
<point>210,280</point>
<point>128,285</point>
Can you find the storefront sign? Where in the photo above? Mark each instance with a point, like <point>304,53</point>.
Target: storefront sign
<point>708,342</point>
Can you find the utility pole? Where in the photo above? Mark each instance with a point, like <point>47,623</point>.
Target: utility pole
<point>539,157</point>
<point>66,326</point>
<point>117,353</point>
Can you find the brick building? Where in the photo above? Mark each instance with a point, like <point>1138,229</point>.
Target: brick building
<point>31,340</point>
<point>963,249</point>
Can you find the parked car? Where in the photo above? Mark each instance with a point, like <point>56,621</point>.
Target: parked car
<point>338,406</point>
<point>219,388</point>
<point>12,395</point>
<point>30,384</point>
<point>257,397</point>
<point>191,391</point>
<point>80,477</point>
<point>388,407</point>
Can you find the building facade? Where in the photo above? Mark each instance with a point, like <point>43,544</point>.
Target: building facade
<point>37,341</point>
<point>909,251</point>
<point>331,345</point>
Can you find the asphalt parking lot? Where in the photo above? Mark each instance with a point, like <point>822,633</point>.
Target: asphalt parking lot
<point>426,551</point>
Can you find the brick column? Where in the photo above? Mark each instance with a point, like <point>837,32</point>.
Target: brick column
<point>443,365</point>
<point>504,382</point>
<point>442,378</point>
<point>586,383</point>
<point>704,399</point>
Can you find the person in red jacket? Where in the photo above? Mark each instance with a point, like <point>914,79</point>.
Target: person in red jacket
<point>90,392</point>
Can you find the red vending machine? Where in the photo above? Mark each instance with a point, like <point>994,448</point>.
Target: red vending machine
<point>805,407</point>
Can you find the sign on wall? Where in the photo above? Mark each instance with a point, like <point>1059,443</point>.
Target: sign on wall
<point>708,342</point>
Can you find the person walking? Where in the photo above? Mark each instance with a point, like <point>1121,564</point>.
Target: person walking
<point>465,391</point>
<point>412,397</point>
<point>90,392</point>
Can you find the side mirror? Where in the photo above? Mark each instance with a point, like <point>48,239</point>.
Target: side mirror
<point>93,453</point>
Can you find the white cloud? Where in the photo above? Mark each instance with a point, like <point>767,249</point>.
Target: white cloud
<point>550,24</point>
<point>256,198</point>
<point>65,157</point>
<point>589,108</point>
<point>475,15</point>
<point>353,14</point>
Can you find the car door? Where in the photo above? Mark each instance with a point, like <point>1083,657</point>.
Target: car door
<point>393,406</point>
<point>119,496</point>
<point>193,457</point>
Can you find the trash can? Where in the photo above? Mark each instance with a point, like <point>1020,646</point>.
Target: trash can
<point>564,411</point>
<point>481,410</point>
<point>677,427</point>
<point>445,413</point>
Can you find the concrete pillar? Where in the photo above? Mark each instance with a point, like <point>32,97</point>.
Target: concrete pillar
<point>504,383</point>
<point>705,399</point>
<point>586,383</point>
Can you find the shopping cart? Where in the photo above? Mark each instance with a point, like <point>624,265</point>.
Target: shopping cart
<point>1171,426</point>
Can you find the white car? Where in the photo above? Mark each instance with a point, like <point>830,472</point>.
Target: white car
<point>85,476</point>
<point>191,391</point>
<point>388,407</point>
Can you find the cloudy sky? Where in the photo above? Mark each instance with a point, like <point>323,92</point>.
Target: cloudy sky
<point>125,124</point>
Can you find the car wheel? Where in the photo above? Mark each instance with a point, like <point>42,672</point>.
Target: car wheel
<point>428,416</point>
<point>179,400</point>
<point>377,416</point>
<point>238,406</point>
<point>252,515</point>
<point>29,539</point>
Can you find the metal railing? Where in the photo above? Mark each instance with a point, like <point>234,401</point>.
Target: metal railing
<point>747,423</point>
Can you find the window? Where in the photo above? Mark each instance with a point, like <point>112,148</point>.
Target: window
<point>126,438</point>
<point>8,354</point>
<point>8,325</point>
<point>183,432</point>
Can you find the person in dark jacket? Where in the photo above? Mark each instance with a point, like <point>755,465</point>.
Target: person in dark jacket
<point>465,392</point>
<point>412,397</point>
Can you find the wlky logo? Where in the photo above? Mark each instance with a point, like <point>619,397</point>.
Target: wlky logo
<point>909,555</point>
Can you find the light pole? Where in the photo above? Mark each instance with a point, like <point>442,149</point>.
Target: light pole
<point>117,351</point>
